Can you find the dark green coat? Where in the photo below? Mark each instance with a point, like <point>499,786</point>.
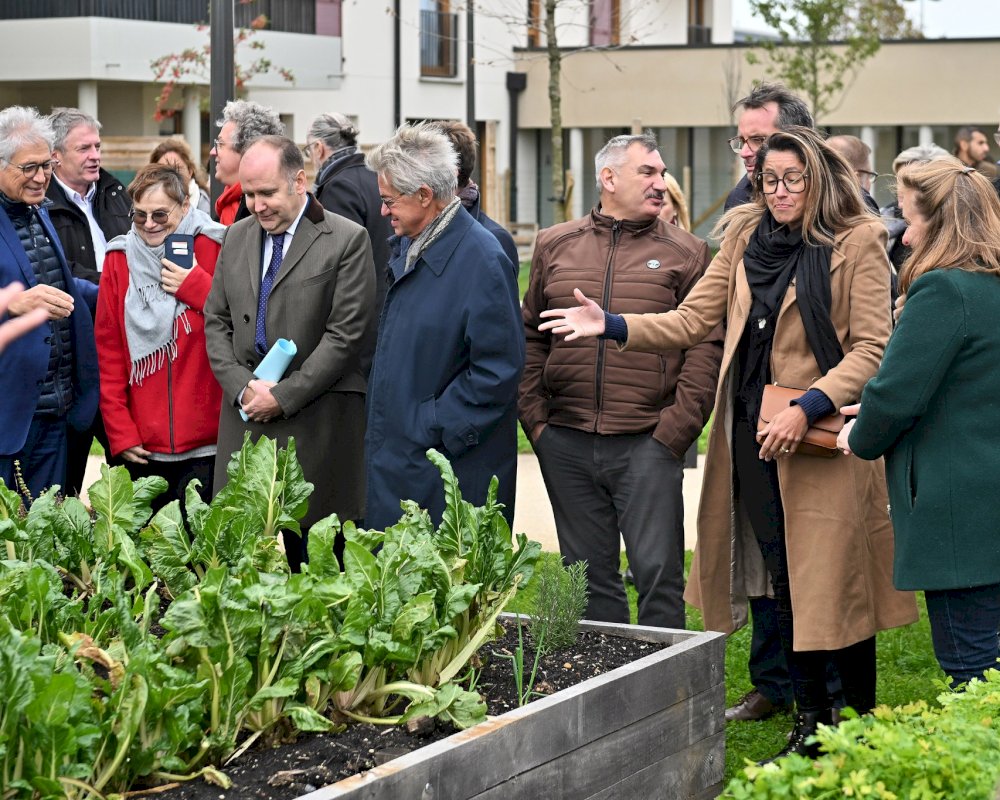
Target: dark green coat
<point>933,410</point>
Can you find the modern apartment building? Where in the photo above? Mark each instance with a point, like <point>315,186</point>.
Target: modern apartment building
<point>673,66</point>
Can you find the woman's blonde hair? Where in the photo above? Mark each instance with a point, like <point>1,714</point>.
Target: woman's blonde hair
<point>832,197</point>
<point>678,200</point>
<point>962,213</point>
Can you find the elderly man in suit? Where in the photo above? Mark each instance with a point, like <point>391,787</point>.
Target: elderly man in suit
<point>298,272</point>
<point>49,382</point>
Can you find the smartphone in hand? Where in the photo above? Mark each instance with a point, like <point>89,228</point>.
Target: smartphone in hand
<point>179,248</point>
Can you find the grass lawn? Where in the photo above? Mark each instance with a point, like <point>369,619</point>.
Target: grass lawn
<point>907,671</point>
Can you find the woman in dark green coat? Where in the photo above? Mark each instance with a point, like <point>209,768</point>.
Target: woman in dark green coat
<point>933,411</point>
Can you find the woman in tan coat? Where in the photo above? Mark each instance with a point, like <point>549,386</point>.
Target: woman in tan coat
<point>802,284</point>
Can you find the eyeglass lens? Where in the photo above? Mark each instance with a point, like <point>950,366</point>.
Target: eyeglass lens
<point>159,216</point>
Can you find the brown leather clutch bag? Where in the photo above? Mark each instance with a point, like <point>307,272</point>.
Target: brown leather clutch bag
<point>820,439</point>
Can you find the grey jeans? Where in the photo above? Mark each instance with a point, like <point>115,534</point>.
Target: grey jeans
<point>600,486</point>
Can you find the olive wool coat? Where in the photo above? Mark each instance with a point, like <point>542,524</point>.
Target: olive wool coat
<point>321,299</point>
<point>837,532</point>
<point>933,410</point>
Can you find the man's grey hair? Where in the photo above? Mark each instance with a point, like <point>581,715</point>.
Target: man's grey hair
<point>21,126</point>
<point>417,155</point>
<point>792,109</point>
<point>921,153</point>
<point>252,120</point>
<point>66,119</point>
<point>613,154</point>
<point>335,130</point>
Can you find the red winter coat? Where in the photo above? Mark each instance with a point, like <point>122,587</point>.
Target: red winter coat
<point>176,409</point>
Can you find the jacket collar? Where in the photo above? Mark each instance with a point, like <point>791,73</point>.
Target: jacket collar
<point>634,227</point>
<point>437,255</point>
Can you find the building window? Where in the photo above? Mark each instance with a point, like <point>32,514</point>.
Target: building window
<point>328,19</point>
<point>604,22</point>
<point>699,31</point>
<point>534,18</point>
<point>438,39</point>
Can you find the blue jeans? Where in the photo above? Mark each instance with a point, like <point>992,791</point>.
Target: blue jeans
<point>964,624</point>
<point>43,457</point>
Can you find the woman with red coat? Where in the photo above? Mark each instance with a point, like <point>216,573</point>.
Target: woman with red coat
<point>159,398</point>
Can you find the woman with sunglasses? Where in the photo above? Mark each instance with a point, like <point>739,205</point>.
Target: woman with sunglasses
<point>801,282</point>
<point>159,398</point>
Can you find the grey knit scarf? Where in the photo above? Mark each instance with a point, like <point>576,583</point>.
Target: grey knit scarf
<point>434,229</point>
<point>153,318</point>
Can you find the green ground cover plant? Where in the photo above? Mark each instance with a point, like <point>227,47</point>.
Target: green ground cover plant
<point>907,673</point>
<point>105,691</point>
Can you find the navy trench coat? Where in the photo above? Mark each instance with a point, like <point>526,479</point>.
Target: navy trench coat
<point>447,366</point>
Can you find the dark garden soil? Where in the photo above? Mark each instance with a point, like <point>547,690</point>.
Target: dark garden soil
<point>316,760</point>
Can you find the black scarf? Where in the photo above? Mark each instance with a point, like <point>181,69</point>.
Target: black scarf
<point>774,254</point>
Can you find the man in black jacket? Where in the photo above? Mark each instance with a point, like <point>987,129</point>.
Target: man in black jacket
<point>345,186</point>
<point>89,207</point>
<point>768,108</point>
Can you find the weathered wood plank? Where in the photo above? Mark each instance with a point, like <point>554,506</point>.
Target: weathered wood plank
<point>473,761</point>
<point>674,739</point>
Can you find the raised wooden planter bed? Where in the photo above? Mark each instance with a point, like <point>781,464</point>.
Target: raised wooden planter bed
<point>652,729</point>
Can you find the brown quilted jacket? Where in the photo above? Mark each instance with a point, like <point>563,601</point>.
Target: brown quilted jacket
<point>588,384</point>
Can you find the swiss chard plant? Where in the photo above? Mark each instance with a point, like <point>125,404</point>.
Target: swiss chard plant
<point>105,690</point>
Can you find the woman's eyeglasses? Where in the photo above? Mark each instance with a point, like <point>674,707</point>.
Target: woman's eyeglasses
<point>160,217</point>
<point>795,182</point>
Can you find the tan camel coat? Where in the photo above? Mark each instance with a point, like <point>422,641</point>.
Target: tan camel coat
<point>837,529</point>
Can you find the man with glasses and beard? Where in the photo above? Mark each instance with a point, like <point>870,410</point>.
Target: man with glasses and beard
<point>611,429</point>
<point>49,380</point>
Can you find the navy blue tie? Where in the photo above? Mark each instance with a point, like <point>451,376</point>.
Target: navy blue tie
<point>277,248</point>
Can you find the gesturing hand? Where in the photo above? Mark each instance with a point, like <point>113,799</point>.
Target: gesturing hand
<point>587,319</point>
<point>57,303</point>
<point>17,326</point>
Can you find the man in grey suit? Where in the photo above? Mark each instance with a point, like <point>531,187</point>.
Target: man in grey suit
<point>298,272</point>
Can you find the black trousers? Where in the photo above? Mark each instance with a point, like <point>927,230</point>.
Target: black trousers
<point>759,493</point>
<point>604,488</point>
<point>178,475</point>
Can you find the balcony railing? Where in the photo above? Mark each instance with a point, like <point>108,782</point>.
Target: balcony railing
<point>291,16</point>
<point>438,44</point>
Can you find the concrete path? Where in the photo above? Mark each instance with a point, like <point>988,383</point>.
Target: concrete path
<point>532,510</point>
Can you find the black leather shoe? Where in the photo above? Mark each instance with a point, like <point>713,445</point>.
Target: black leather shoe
<point>805,727</point>
<point>752,707</point>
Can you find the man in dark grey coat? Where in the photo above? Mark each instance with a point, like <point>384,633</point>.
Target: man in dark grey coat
<point>298,272</point>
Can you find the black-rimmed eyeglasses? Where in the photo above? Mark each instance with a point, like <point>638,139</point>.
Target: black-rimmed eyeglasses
<point>737,143</point>
<point>795,182</point>
<point>31,170</point>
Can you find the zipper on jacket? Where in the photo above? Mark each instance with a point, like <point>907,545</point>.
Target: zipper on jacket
<point>616,229</point>
<point>170,403</point>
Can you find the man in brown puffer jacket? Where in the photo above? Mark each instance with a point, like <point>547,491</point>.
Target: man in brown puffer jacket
<point>610,429</point>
